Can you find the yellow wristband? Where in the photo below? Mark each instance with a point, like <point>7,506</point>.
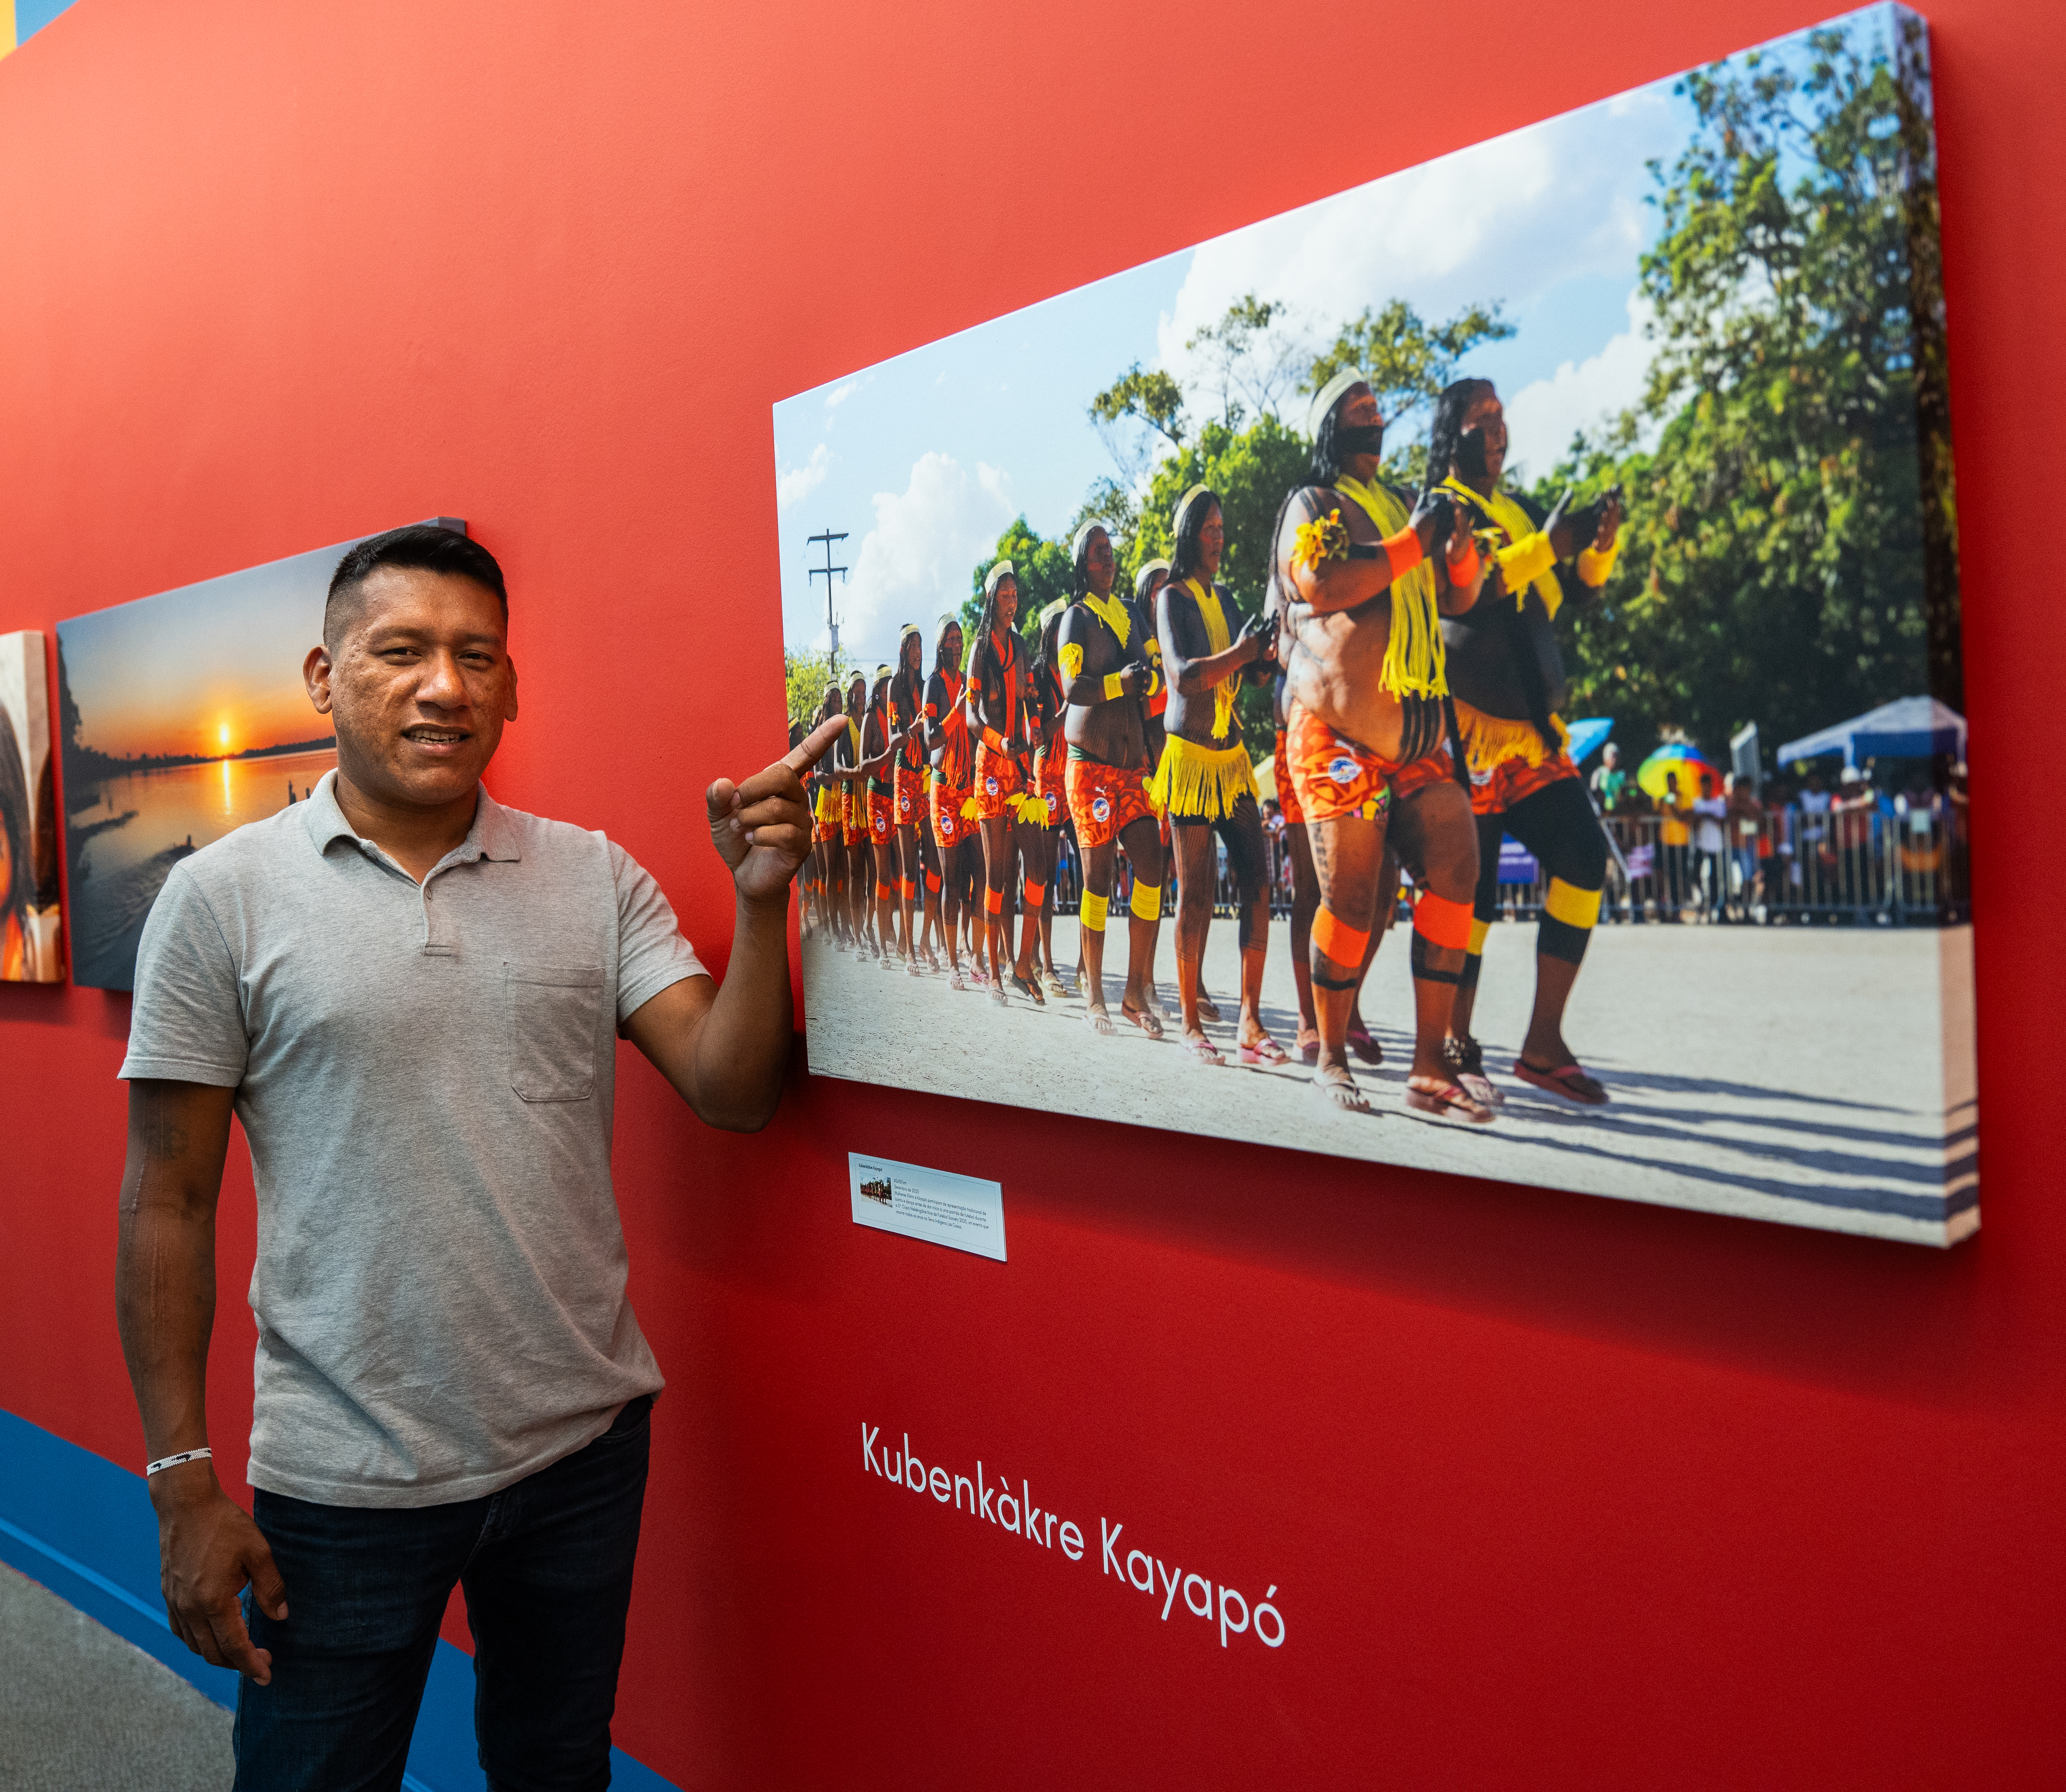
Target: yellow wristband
<point>1113,687</point>
<point>1594,564</point>
<point>1526,561</point>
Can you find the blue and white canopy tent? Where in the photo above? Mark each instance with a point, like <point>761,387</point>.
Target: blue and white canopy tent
<point>1908,727</point>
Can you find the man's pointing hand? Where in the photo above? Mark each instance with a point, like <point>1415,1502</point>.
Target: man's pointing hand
<point>762,828</point>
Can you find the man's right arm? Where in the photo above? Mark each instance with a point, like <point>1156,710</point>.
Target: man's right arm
<point>165,1301</point>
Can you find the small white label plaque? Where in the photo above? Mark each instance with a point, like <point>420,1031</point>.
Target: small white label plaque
<point>933,1205</point>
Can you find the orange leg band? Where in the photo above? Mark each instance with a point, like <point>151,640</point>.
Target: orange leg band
<point>1036,893</point>
<point>1343,943</point>
<point>933,882</point>
<point>883,892</point>
<point>994,900</point>
<point>1441,922</point>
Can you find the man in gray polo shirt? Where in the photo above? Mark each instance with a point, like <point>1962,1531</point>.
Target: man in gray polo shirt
<point>409,995</point>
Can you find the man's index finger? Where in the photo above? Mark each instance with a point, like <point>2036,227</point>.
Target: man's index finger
<point>814,745</point>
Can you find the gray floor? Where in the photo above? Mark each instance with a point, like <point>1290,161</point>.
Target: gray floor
<point>83,1711</point>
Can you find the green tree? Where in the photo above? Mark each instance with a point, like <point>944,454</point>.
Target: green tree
<point>1253,356</point>
<point>806,675</point>
<point>1791,557</point>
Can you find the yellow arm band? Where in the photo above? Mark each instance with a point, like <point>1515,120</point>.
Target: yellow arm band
<point>1092,911</point>
<point>1526,561</point>
<point>1113,687</point>
<point>1154,682</point>
<point>1594,564</point>
<point>1147,903</point>
<point>1072,660</point>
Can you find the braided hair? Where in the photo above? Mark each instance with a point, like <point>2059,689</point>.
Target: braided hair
<point>1445,435</point>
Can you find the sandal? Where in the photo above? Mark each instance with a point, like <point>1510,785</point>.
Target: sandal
<point>1334,1082</point>
<point>1051,981</point>
<point>1030,988</point>
<point>1100,1022</point>
<point>1466,1058</point>
<point>1569,1080</point>
<point>1266,1050</point>
<point>1208,1008</point>
<point>1448,1101</point>
<point>1309,1046</point>
<point>1203,1049</point>
<point>1363,1045</point>
<point>1146,1019</point>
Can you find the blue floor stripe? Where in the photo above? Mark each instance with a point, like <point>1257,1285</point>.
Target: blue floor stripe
<point>84,1528</point>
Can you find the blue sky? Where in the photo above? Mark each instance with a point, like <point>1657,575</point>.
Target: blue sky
<point>925,458</point>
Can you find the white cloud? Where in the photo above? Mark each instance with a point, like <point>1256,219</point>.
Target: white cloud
<point>839,394</point>
<point>914,563</point>
<point>1542,418</point>
<point>798,483</point>
<point>1506,219</point>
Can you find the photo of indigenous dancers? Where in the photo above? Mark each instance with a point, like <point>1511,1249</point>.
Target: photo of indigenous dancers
<point>1110,671</point>
<point>1205,783</point>
<point>1362,579</point>
<point>1506,686</point>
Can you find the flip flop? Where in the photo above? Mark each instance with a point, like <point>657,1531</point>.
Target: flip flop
<point>1266,1050</point>
<point>1208,1008</point>
<point>1451,1101</point>
<point>1100,1021</point>
<point>1146,1019</point>
<point>1030,988</point>
<point>1203,1049</point>
<point>1466,1058</point>
<point>1365,1048</point>
<point>1569,1080</point>
<point>1339,1087</point>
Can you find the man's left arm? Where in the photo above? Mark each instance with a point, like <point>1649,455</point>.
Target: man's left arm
<point>726,1047</point>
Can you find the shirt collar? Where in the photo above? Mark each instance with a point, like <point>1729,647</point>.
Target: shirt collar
<point>493,836</point>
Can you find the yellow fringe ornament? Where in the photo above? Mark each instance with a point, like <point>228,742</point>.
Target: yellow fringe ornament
<point>1414,665</point>
<point>1192,779</point>
<point>1530,564</point>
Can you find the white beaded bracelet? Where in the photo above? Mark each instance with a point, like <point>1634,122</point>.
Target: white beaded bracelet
<point>150,1469</point>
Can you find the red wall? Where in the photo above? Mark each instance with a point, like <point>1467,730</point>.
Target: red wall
<point>1554,1490</point>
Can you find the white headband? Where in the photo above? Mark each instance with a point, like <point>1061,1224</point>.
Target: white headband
<point>996,576</point>
<point>1146,576</point>
<point>1329,395</point>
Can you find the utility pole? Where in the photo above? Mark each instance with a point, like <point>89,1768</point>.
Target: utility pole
<point>825,573</point>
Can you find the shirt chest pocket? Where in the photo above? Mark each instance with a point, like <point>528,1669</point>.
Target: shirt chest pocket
<point>554,1015</point>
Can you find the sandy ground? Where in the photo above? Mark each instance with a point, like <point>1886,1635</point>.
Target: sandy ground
<point>1820,1077</point>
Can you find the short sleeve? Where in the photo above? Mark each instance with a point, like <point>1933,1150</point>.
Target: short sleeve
<point>652,952</point>
<point>187,1025</point>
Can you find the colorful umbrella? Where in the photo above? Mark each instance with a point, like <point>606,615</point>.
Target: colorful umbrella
<point>1686,764</point>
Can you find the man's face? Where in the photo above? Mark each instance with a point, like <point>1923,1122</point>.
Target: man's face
<point>418,686</point>
<point>1100,562</point>
<point>1155,581</point>
<point>856,694</point>
<point>952,642</point>
<point>1613,757</point>
<point>1212,542</point>
<point>1007,602</point>
<point>1359,411</point>
<point>907,654</point>
<point>1487,414</point>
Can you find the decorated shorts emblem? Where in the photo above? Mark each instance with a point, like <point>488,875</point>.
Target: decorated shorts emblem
<point>1100,808</point>
<point>1341,769</point>
<point>989,786</point>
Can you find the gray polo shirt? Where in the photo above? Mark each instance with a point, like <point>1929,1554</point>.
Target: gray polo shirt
<point>425,1075</point>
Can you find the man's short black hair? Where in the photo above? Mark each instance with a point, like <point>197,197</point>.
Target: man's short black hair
<point>427,545</point>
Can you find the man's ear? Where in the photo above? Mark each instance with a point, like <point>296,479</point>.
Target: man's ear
<point>315,676</point>
<point>509,703</point>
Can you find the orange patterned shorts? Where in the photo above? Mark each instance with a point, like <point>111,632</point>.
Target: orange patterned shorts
<point>998,777</point>
<point>1336,777</point>
<point>1105,800</point>
<point>1513,780</point>
<point>856,820</point>
<point>910,798</point>
<point>1050,779</point>
<point>950,827</point>
<point>881,815</point>
<point>1287,792</point>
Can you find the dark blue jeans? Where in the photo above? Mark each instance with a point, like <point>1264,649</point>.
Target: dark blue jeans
<point>547,1568</point>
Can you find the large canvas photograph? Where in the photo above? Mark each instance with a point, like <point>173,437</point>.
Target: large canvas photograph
<point>182,716</point>
<point>1465,673</point>
<point>31,908</point>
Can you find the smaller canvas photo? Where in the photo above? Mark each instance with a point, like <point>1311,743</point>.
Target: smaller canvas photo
<point>184,715</point>
<point>31,911</point>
